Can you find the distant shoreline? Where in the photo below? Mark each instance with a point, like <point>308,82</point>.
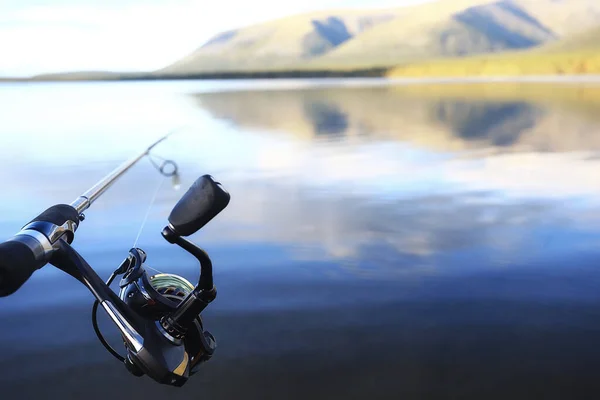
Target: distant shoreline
<point>111,76</point>
<point>354,75</point>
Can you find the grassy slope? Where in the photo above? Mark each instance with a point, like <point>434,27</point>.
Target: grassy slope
<point>444,29</point>
<point>577,53</point>
<point>513,64</point>
<point>279,44</point>
<point>282,44</point>
<point>430,31</point>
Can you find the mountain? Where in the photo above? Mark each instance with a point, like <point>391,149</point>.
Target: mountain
<point>459,29</point>
<point>576,54</point>
<point>384,38</point>
<point>282,43</point>
<point>444,38</point>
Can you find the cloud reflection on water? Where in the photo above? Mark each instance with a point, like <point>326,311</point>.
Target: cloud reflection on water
<point>386,181</point>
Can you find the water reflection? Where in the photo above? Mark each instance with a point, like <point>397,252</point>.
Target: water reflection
<point>497,124</point>
<point>456,169</point>
<point>442,238</point>
<point>326,117</point>
<point>524,117</point>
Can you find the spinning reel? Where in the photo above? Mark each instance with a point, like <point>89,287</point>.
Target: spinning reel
<point>170,343</point>
<point>156,297</point>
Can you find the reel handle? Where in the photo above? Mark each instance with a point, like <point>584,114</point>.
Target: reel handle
<point>178,322</point>
<point>199,205</point>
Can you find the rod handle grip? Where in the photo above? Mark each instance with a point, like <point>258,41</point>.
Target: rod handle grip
<point>19,259</point>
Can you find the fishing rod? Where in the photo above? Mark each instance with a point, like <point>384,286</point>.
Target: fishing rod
<point>84,201</point>
<point>158,316</point>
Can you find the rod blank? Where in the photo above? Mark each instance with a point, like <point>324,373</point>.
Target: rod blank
<point>84,201</point>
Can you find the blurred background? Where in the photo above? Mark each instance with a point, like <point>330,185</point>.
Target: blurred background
<point>414,184</point>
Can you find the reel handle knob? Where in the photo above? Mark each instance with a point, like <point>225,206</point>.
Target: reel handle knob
<point>199,205</point>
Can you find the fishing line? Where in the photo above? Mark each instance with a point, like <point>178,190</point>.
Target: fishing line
<point>146,218</point>
<point>165,174</point>
<point>148,212</point>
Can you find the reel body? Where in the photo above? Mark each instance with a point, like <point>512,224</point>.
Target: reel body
<point>159,315</point>
<point>154,297</point>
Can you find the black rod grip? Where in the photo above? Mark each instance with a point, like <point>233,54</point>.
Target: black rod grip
<point>18,262</point>
<point>58,215</point>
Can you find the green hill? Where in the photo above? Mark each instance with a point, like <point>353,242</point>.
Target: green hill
<point>460,28</point>
<point>385,38</point>
<point>279,44</point>
<point>577,54</point>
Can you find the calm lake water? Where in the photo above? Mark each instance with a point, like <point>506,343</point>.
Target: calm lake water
<point>383,241</point>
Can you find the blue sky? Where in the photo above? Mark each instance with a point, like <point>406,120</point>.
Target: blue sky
<point>46,36</point>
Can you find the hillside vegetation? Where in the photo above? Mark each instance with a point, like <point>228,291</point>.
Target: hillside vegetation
<point>279,44</point>
<point>420,39</point>
<point>514,64</point>
<point>575,55</point>
<point>453,31</point>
